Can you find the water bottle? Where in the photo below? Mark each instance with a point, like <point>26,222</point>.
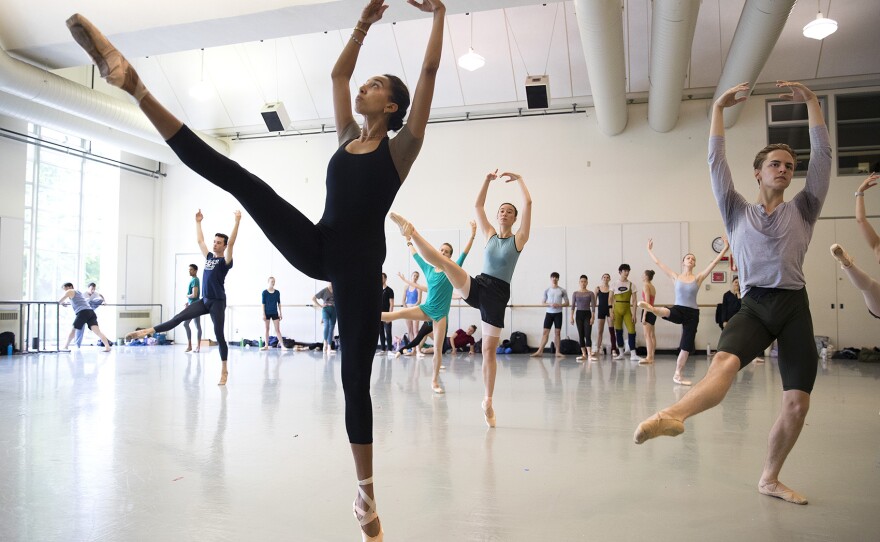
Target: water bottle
<point>261,342</point>
<point>708,349</point>
<point>242,343</point>
<point>8,349</point>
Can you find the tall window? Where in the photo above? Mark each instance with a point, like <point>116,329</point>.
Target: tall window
<point>70,213</point>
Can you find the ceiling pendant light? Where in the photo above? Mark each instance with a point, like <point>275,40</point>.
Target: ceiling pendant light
<point>820,27</point>
<point>201,90</point>
<point>471,61</point>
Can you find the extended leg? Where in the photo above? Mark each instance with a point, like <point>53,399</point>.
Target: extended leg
<point>870,288</point>
<point>706,394</point>
<point>409,313</point>
<point>439,335</point>
<point>457,276</point>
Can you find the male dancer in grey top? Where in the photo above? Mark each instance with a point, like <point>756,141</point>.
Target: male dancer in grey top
<point>555,298</point>
<point>769,240</point>
<point>85,315</point>
<point>95,300</point>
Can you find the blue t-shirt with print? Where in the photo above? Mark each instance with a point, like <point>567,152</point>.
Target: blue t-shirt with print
<point>214,277</point>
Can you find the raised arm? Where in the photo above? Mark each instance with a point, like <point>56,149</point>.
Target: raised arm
<point>525,225</point>
<point>424,94</point>
<point>67,295</point>
<point>200,237</point>
<point>480,206</point>
<point>232,237</point>
<point>861,216</point>
<point>705,272</point>
<point>344,67</point>
<point>672,274</point>
<point>728,99</point>
<point>470,243</point>
<point>412,284</point>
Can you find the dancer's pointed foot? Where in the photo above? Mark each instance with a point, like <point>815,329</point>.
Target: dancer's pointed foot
<point>111,64</point>
<point>844,259</point>
<point>488,411</point>
<point>188,348</point>
<point>139,334</point>
<point>364,509</point>
<point>406,229</point>
<point>646,361</point>
<point>659,424</point>
<point>781,491</point>
<point>224,376</point>
<point>645,305</point>
<point>538,354</point>
<point>680,381</point>
<point>438,389</point>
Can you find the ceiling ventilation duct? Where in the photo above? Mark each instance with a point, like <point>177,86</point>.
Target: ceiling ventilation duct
<point>601,27</point>
<point>672,36</point>
<point>60,95</point>
<point>757,32</point>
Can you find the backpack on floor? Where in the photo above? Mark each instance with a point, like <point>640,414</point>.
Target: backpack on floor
<point>478,347</point>
<point>569,347</point>
<point>6,338</point>
<point>869,355</point>
<point>518,343</point>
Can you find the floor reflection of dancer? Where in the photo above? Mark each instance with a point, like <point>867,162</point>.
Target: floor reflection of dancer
<point>489,291</point>
<point>363,177</point>
<point>685,311</point>
<point>869,287</point>
<point>193,294</point>
<point>218,262</point>
<point>769,239</point>
<point>436,305</point>
<point>603,312</point>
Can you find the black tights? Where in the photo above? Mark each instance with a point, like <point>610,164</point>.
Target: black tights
<point>386,340</point>
<point>584,327</point>
<point>426,329</point>
<point>320,253</point>
<point>215,307</point>
<point>198,322</point>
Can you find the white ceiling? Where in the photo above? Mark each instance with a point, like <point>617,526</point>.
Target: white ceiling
<point>282,50</point>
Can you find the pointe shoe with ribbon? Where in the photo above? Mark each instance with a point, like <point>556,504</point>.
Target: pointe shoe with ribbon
<point>842,257</point>
<point>365,517</point>
<point>110,62</point>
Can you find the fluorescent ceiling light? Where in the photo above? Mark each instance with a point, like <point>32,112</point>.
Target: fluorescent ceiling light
<point>820,27</point>
<point>471,61</point>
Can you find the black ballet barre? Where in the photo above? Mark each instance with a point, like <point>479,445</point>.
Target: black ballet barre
<point>40,314</point>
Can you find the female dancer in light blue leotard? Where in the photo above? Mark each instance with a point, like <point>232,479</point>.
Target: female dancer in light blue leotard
<point>685,311</point>
<point>436,306</point>
<point>490,291</point>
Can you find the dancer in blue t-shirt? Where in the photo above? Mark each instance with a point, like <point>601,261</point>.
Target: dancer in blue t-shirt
<point>218,262</point>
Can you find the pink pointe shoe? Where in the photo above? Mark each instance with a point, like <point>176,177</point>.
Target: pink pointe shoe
<point>365,517</point>
<point>111,64</point>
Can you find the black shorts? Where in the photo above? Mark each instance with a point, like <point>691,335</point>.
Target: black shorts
<point>490,295</point>
<point>774,314</point>
<point>551,319</point>
<point>602,312</point>
<point>689,319</point>
<point>272,317</point>
<point>85,317</point>
<point>649,317</point>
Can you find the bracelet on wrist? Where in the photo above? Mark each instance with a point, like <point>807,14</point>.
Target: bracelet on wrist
<point>361,30</point>
<point>359,42</point>
<point>860,194</point>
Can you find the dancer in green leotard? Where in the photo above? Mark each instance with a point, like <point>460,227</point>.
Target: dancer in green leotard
<point>436,306</point>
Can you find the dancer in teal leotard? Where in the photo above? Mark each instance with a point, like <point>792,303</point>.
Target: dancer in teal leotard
<point>436,305</point>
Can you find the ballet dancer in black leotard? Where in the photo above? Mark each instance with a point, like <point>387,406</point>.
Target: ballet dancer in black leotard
<point>363,177</point>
